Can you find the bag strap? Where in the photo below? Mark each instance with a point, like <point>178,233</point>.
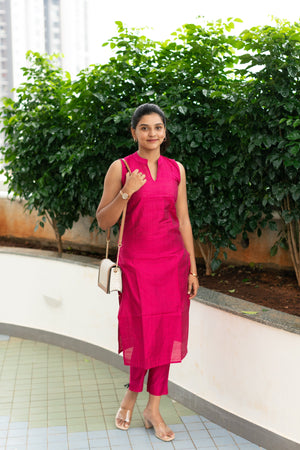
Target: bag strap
<point>121,227</point>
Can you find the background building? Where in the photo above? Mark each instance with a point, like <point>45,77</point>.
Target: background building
<point>5,48</point>
<point>45,26</point>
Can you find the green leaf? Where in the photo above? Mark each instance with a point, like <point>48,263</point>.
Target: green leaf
<point>295,191</point>
<point>215,264</point>
<point>294,135</point>
<point>273,225</point>
<point>119,24</point>
<point>274,250</point>
<point>182,109</point>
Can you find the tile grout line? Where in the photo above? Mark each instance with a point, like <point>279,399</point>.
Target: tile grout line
<point>30,402</point>
<point>98,400</point>
<point>2,368</point>
<point>212,438</point>
<point>63,377</point>
<point>14,392</point>
<point>188,431</point>
<point>66,363</point>
<point>104,415</point>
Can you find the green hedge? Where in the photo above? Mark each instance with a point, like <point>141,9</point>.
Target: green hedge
<point>233,109</point>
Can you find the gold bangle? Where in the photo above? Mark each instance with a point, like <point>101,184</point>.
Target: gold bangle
<point>193,274</point>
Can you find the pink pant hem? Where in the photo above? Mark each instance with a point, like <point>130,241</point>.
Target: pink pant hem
<point>157,383</point>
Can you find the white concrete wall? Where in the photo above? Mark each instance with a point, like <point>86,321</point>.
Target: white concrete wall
<point>59,297</point>
<point>247,368</point>
<point>244,367</point>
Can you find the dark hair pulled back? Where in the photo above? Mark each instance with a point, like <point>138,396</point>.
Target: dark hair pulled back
<point>151,108</point>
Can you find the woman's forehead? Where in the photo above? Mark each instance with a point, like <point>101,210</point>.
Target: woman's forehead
<point>150,119</point>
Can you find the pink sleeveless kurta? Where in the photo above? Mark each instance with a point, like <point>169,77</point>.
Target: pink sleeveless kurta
<point>154,305</point>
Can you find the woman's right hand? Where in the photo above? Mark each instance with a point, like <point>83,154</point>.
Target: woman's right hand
<point>134,181</point>
<point>111,204</point>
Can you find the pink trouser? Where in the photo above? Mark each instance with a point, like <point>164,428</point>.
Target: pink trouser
<point>157,379</point>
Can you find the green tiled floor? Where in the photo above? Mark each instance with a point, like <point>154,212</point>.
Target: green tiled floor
<point>56,399</point>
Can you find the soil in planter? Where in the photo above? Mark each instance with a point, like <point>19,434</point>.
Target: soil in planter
<point>272,289</point>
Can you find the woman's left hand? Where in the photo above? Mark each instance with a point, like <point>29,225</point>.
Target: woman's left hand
<point>193,285</point>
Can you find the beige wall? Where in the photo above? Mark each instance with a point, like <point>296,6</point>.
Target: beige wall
<point>14,222</point>
<point>17,223</point>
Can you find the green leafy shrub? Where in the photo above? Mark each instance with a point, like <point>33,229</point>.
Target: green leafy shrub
<point>232,104</point>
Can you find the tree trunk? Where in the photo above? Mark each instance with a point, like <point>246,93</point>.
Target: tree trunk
<point>207,252</point>
<point>293,237</point>
<point>58,237</point>
<point>56,232</point>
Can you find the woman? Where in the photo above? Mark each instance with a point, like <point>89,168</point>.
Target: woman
<point>157,261</point>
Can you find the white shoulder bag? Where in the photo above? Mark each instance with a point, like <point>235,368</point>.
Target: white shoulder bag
<point>110,274</point>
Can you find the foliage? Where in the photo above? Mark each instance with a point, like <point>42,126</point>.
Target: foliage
<point>38,145</point>
<point>269,126</point>
<point>189,77</point>
<point>232,104</point>
<point>199,114</point>
<point>104,97</point>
